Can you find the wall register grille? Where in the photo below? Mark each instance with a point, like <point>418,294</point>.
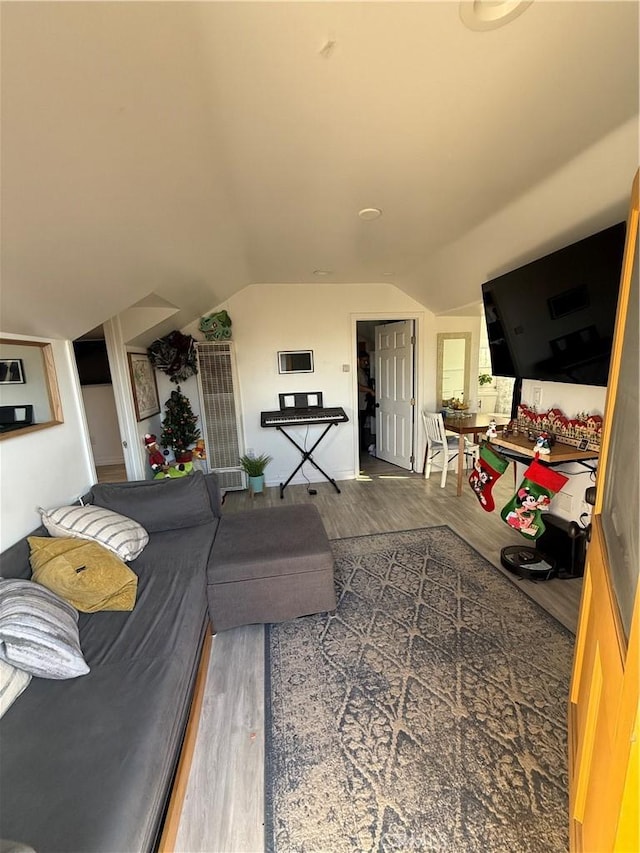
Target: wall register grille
<point>220,412</point>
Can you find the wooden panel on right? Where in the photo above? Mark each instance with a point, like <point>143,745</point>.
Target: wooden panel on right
<point>603,701</point>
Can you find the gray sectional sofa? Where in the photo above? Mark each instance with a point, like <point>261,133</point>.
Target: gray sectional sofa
<point>89,763</point>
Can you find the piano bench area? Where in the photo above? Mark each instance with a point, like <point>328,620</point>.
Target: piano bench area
<point>269,565</point>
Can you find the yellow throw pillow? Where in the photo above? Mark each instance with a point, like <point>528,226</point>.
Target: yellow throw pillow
<point>84,573</point>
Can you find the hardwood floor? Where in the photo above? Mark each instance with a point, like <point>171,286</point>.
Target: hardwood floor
<point>223,809</point>
<point>111,473</point>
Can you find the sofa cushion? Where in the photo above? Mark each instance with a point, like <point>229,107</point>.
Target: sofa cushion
<point>39,631</point>
<point>159,505</point>
<point>122,535</point>
<point>271,541</point>
<point>84,573</point>
<point>13,682</point>
<point>14,562</point>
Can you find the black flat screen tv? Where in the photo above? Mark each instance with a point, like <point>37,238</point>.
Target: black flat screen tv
<point>553,319</point>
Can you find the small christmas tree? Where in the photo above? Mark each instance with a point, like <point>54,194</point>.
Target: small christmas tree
<point>179,429</point>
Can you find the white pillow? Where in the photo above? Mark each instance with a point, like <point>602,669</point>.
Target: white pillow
<point>13,682</point>
<point>122,535</point>
<point>39,631</point>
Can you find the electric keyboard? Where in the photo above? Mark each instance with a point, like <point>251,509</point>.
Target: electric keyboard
<point>301,417</point>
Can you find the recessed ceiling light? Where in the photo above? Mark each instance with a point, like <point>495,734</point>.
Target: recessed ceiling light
<point>322,272</point>
<point>387,274</point>
<point>369,213</point>
<point>491,14</point>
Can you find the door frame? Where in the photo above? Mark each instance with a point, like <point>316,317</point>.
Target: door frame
<point>419,374</point>
<point>132,447</point>
<point>603,705</point>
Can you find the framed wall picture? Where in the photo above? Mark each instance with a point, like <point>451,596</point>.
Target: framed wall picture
<point>295,361</point>
<point>143,383</point>
<point>11,371</point>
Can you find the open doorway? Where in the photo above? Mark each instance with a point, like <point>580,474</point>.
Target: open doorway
<point>99,405</point>
<point>386,383</point>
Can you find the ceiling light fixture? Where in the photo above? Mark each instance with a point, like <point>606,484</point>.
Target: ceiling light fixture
<point>322,272</point>
<point>491,14</point>
<point>369,213</point>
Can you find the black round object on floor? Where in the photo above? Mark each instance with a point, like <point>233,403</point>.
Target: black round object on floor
<point>527,562</point>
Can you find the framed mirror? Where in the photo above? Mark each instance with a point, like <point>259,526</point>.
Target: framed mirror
<point>453,366</point>
<point>295,361</point>
<point>29,395</point>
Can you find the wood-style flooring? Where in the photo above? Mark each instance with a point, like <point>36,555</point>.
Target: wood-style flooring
<point>111,473</point>
<point>223,809</point>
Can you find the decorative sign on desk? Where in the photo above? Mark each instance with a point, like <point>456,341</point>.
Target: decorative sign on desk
<point>584,431</point>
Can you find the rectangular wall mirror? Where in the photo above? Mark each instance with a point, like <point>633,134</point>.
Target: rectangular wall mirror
<point>453,366</point>
<point>29,398</point>
<point>295,361</point>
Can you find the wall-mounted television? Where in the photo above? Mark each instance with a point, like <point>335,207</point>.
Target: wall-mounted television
<point>553,319</point>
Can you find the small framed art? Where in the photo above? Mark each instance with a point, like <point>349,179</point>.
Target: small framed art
<point>295,361</point>
<point>143,383</point>
<point>11,371</point>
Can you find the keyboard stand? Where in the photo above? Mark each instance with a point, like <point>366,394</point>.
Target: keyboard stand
<point>307,457</point>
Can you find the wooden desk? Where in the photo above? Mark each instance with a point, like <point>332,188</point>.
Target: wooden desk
<point>471,425</point>
<point>559,452</point>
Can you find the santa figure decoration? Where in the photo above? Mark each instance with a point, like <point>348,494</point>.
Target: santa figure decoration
<point>492,432</point>
<point>156,457</point>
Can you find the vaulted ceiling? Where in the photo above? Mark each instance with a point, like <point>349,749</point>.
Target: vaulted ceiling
<point>177,151</point>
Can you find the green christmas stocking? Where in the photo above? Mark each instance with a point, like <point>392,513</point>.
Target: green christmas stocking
<point>490,467</point>
<point>523,512</point>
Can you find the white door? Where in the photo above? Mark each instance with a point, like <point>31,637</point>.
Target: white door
<point>394,393</point>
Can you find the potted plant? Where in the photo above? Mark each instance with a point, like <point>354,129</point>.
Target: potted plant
<point>485,379</point>
<point>254,466</point>
<point>179,429</point>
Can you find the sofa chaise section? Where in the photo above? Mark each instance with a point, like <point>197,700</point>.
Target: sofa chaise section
<point>88,763</point>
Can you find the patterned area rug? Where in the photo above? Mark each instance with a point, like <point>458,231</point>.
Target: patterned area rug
<point>427,714</point>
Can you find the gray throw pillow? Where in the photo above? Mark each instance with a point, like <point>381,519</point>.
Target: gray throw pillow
<point>39,631</point>
<point>157,505</point>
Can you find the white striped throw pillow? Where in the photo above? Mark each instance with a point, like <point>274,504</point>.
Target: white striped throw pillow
<point>122,535</point>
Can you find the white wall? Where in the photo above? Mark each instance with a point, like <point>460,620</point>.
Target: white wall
<point>269,318</point>
<point>102,419</point>
<point>50,467</point>
<point>571,399</point>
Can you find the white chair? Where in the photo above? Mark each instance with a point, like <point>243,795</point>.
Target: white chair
<point>438,442</point>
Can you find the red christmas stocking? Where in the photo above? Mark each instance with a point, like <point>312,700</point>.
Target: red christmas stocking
<point>490,467</point>
<point>523,512</point>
